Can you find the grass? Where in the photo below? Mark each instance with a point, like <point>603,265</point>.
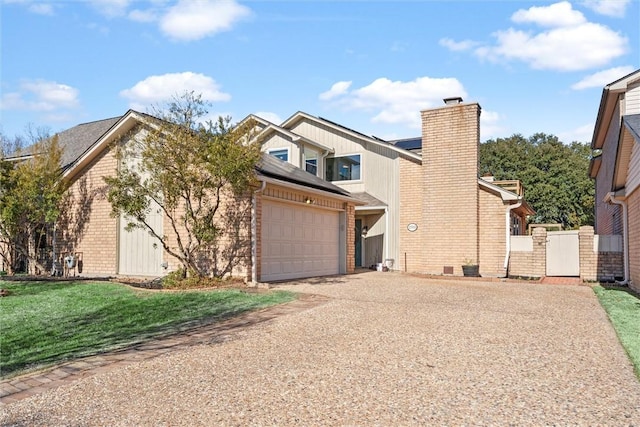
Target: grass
<point>623,307</point>
<point>43,323</point>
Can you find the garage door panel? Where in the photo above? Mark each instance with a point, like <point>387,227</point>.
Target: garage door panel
<point>306,245</point>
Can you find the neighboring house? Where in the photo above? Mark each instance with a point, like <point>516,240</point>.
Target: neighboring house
<point>616,169</point>
<point>423,209</point>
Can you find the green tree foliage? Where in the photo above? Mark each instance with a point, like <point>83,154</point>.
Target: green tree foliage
<point>31,199</point>
<point>198,175</point>
<point>554,175</point>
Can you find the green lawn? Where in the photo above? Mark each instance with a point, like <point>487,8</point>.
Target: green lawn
<point>623,308</point>
<point>42,323</point>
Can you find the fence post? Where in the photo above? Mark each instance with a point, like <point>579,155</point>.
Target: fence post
<point>539,251</point>
<point>588,257</point>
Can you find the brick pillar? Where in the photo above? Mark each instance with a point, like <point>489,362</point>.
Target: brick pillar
<point>539,252</point>
<point>351,237</point>
<point>588,258</point>
<point>450,144</point>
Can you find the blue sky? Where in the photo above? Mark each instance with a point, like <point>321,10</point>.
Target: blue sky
<point>534,66</point>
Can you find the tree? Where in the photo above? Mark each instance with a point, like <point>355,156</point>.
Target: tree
<point>198,175</point>
<point>554,175</point>
<point>31,195</point>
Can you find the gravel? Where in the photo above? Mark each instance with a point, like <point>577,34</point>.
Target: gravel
<point>385,349</point>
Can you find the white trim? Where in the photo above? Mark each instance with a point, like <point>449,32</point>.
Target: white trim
<point>295,138</point>
<point>505,194</point>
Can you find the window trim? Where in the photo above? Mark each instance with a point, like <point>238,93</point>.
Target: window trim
<point>303,161</point>
<point>270,151</point>
<point>345,155</point>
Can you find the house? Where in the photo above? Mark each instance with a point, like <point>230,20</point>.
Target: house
<point>330,199</point>
<point>616,169</point>
<point>424,209</point>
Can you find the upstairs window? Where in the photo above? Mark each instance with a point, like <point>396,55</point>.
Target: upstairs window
<point>281,153</point>
<point>345,168</point>
<point>310,161</point>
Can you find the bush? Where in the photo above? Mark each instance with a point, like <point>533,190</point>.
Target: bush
<point>176,280</point>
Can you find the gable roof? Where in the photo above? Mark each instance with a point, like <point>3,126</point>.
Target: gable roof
<point>270,166</point>
<point>629,135</point>
<point>608,103</point>
<point>76,140</point>
<point>355,134</point>
<point>272,128</point>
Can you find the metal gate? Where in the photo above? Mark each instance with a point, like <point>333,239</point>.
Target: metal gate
<point>563,253</point>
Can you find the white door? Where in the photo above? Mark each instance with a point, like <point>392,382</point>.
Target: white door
<point>298,241</point>
<point>140,254</point>
<point>563,253</point>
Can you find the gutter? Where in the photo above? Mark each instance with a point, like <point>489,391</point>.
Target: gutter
<point>610,197</point>
<point>507,230</point>
<point>254,230</point>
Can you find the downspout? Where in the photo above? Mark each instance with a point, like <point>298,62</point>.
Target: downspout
<point>386,236</point>
<point>625,236</point>
<point>254,231</point>
<point>507,231</point>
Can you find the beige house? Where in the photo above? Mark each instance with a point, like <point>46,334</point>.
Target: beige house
<point>424,209</point>
<point>616,169</point>
<point>330,199</point>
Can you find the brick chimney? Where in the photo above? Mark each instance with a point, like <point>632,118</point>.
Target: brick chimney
<point>450,144</point>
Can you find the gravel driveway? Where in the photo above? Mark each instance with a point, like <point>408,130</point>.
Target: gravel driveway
<point>385,349</point>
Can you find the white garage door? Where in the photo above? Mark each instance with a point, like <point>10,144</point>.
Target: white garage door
<point>298,241</point>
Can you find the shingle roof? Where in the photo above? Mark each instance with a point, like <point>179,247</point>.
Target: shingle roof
<point>273,167</point>
<point>368,199</point>
<point>80,138</point>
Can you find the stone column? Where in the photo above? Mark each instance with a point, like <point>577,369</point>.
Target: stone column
<point>539,264</point>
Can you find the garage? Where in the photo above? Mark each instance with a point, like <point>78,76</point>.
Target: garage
<point>299,241</point>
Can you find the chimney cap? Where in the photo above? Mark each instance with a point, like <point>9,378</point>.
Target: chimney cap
<point>453,101</point>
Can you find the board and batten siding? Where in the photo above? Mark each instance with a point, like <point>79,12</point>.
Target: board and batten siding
<point>276,141</point>
<point>379,177</point>
<point>633,99</point>
<point>608,216</point>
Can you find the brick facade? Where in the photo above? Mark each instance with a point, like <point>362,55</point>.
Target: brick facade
<point>411,249</point>
<point>492,243</point>
<point>86,226</point>
<point>450,138</point>
<point>633,205</point>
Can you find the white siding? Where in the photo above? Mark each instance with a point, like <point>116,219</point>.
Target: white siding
<point>633,99</point>
<point>278,141</point>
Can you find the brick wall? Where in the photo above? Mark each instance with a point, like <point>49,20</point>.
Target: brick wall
<point>411,247</point>
<point>492,234</point>
<point>86,226</point>
<point>450,138</point>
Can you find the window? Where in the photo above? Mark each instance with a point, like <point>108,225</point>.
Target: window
<point>346,168</point>
<point>281,153</point>
<point>310,160</point>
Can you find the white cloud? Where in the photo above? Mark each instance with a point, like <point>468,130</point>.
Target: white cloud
<point>457,46</point>
<point>143,16</point>
<point>269,116</point>
<point>41,95</point>
<point>567,42</point>
<point>159,89</point>
<point>490,126</point>
<point>615,8</point>
<point>339,88</point>
<point>602,78</point>
<point>556,15</point>
<point>195,19</point>
<point>397,102</point>
<point>42,8</point>
<point>581,134</point>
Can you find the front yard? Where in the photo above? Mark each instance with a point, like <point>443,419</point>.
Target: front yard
<point>43,323</point>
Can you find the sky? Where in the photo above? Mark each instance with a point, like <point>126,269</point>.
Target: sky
<point>532,65</point>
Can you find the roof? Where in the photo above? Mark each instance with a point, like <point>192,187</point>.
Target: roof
<point>78,139</point>
<point>272,167</point>
<point>368,200</point>
<point>408,143</point>
<point>632,123</point>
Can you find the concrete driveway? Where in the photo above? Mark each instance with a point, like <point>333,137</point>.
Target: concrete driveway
<point>383,349</point>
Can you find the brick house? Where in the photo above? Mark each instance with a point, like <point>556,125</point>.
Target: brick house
<point>616,169</point>
<point>424,209</point>
<point>330,199</point>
